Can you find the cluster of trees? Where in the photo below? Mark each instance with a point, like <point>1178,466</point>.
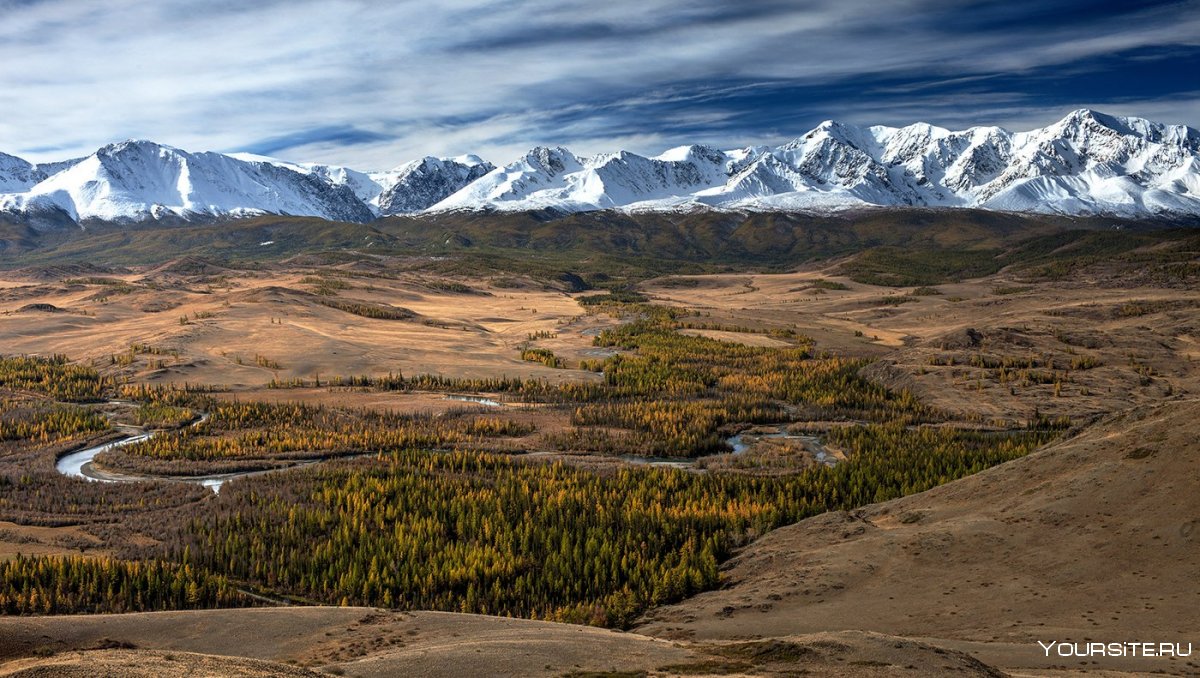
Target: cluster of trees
<point>891,460</point>
<point>178,395</point>
<point>1085,362</point>
<point>135,349</point>
<point>453,287</point>
<point>327,287</point>
<point>779,332</point>
<point>39,422</point>
<point>33,493</point>
<point>823,284</point>
<point>600,440</point>
<point>621,297</point>
<point>542,355</point>
<point>264,361</point>
<point>673,364</point>
<point>78,585</point>
<point>472,532</point>
<point>1014,364</point>
<point>368,310</point>
<point>55,376</point>
<point>675,391</point>
<point>243,435</point>
<point>152,414</point>
<point>1020,371</point>
<point>671,427</point>
<point>528,390</point>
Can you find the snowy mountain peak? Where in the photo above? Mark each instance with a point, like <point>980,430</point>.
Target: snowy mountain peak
<point>420,184</point>
<point>555,178</point>
<point>551,160</point>
<point>834,131</point>
<point>693,153</point>
<point>134,146</point>
<point>1084,122</point>
<point>1083,115</point>
<point>1088,162</point>
<point>469,159</point>
<point>138,180</point>
<point>17,174</point>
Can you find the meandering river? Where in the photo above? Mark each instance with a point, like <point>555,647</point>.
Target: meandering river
<point>81,463</point>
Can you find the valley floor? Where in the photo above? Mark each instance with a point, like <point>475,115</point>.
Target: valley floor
<point>1095,537</point>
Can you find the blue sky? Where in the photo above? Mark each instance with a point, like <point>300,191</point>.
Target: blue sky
<point>373,84</point>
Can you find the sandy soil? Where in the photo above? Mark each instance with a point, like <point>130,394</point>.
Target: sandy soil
<point>35,540</point>
<point>277,317</point>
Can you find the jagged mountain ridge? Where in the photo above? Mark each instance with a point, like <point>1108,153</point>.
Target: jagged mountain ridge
<point>1086,163</point>
<point>410,187</point>
<point>141,180</point>
<point>420,184</point>
<point>18,175</point>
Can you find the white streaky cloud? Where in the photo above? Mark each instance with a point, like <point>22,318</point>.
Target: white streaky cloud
<point>369,84</point>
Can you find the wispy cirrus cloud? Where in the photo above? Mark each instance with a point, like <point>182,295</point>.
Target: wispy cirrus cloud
<point>372,84</point>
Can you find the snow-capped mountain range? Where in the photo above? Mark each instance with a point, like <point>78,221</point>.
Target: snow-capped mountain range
<point>1086,163</point>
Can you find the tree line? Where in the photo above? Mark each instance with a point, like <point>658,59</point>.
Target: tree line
<point>55,376</point>
<point>84,585</point>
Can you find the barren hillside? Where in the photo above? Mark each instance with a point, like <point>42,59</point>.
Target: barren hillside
<point>1094,538</point>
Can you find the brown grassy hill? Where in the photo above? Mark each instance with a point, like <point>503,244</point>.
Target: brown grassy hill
<point>373,643</point>
<point>384,643</point>
<point>1096,538</point>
